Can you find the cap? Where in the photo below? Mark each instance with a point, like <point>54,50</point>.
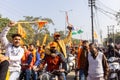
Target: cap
<point>53,44</point>
<point>56,34</point>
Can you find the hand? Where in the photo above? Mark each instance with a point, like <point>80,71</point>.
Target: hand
<point>3,58</point>
<point>70,27</point>
<point>62,70</point>
<point>41,66</point>
<point>34,68</point>
<point>11,24</point>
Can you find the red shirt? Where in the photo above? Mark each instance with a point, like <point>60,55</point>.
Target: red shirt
<point>53,63</point>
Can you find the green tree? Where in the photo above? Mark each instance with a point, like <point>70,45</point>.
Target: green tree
<point>3,24</point>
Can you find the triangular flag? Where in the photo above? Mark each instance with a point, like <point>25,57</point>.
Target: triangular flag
<point>21,31</point>
<point>41,24</point>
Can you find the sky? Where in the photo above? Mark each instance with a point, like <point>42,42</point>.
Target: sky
<point>54,9</point>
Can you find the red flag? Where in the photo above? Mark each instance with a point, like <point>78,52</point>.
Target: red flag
<point>67,17</point>
<point>41,24</point>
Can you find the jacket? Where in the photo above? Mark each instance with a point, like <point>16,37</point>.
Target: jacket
<point>27,59</point>
<point>53,63</point>
<point>82,57</point>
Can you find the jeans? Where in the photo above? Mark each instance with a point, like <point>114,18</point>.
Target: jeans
<point>61,76</point>
<point>34,75</point>
<point>81,74</point>
<point>14,75</point>
<point>25,74</point>
<point>64,76</point>
<point>3,69</point>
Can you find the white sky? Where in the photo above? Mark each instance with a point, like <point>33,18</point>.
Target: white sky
<point>79,16</point>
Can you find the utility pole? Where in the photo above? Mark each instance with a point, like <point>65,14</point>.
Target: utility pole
<point>111,37</point>
<point>108,34</point>
<point>65,19</point>
<point>92,4</point>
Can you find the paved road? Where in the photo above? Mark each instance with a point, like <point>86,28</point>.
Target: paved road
<point>71,76</point>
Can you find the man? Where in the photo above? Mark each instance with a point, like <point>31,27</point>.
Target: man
<point>61,44</point>
<point>97,66</point>
<point>36,60</point>
<point>26,63</point>
<point>54,61</point>
<point>4,64</point>
<point>13,51</point>
<point>82,58</point>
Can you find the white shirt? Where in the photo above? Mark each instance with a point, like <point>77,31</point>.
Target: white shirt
<point>14,53</point>
<point>95,65</point>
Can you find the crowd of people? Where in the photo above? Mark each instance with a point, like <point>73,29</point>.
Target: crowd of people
<point>23,62</point>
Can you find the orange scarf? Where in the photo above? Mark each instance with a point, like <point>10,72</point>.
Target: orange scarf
<point>34,55</point>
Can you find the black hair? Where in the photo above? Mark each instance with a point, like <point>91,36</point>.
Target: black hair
<point>85,41</point>
<point>26,46</point>
<point>91,44</point>
<point>32,44</point>
<point>14,35</point>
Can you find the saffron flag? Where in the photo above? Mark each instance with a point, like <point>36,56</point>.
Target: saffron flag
<point>41,24</point>
<point>44,40</point>
<point>95,35</point>
<point>38,43</point>
<point>21,31</point>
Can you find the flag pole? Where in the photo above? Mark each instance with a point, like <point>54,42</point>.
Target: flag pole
<point>30,21</point>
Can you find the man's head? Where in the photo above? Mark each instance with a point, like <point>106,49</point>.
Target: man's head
<point>16,39</point>
<point>93,48</point>
<point>25,47</point>
<point>53,47</point>
<point>56,36</point>
<point>31,47</point>
<point>85,43</point>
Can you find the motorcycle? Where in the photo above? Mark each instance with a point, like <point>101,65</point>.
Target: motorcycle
<point>114,68</point>
<point>70,62</point>
<point>50,75</point>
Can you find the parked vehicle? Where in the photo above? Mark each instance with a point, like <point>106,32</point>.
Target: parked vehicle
<point>114,68</point>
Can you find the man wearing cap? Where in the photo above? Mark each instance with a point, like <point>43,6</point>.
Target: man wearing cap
<point>54,61</point>
<point>61,44</point>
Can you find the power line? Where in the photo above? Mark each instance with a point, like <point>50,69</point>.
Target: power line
<point>102,4</point>
<point>104,12</point>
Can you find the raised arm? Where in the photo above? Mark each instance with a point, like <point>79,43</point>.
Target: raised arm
<point>68,38</point>
<point>3,34</point>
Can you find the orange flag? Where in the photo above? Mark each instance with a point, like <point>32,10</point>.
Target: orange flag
<point>44,40</point>
<point>21,31</point>
<point>41,24</point>
<point>37,43</point>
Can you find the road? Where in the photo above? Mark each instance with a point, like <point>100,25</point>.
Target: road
<point>71,76</point>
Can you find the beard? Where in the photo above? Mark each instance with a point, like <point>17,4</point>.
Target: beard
<point>52,51</point>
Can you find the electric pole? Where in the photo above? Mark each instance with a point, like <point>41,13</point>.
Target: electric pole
<point>92,4</point>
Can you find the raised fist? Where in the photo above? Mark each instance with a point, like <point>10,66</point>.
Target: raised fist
<point>11,24</point>
<point>70,27</point>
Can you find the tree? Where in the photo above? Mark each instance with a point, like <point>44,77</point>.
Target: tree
<point>33,31</point>
<point>3,23</point>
